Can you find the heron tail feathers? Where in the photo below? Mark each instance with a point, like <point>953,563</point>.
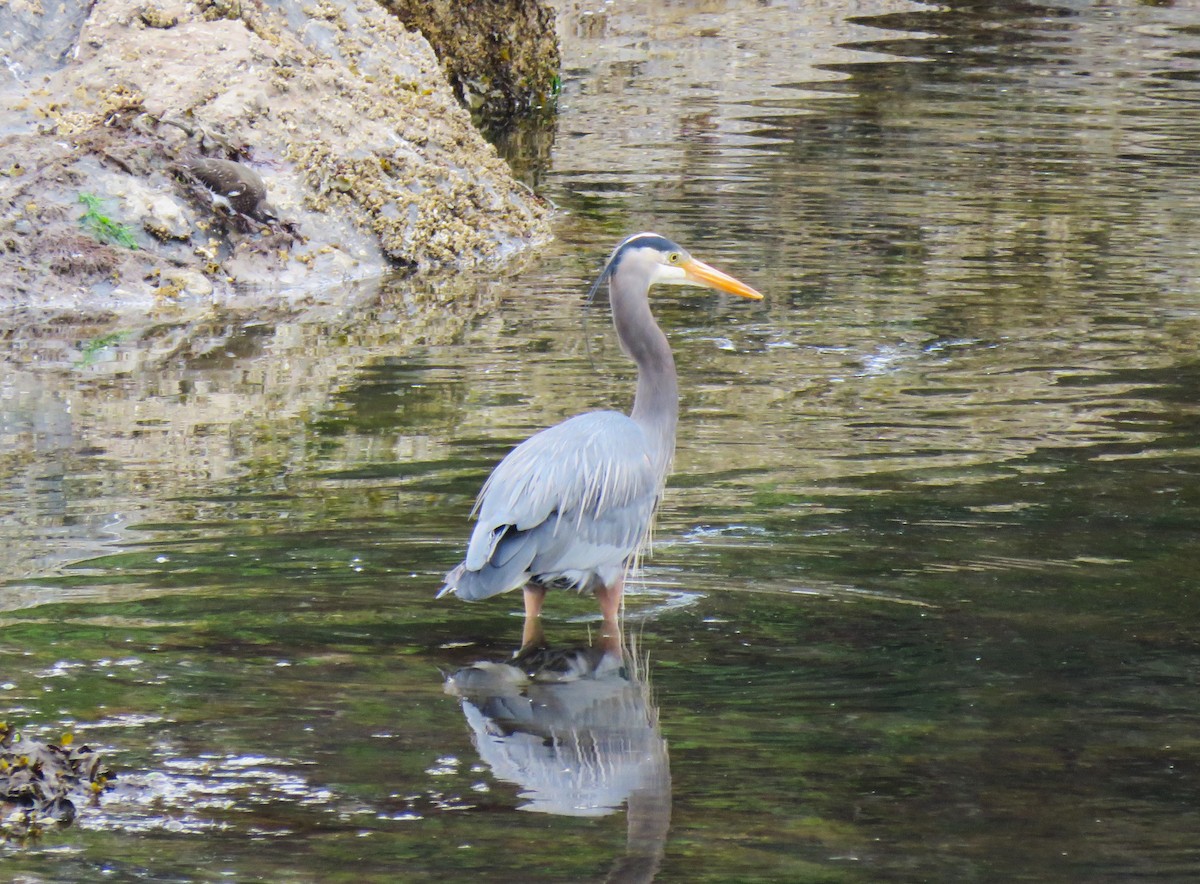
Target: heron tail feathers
<point>505,570</point>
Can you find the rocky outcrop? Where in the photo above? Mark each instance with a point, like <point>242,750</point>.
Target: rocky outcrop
<point>501,56</point>
<point>368,160</point>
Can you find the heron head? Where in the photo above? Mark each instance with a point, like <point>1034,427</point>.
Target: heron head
<point>647,258</point>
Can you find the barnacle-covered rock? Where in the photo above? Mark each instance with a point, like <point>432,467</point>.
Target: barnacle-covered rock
<point>501,56</point>
<point>345,114</point>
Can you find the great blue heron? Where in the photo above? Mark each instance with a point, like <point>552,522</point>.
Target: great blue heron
<point>572,505</point>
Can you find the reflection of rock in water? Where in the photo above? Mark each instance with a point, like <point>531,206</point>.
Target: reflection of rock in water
<point>578,732</point>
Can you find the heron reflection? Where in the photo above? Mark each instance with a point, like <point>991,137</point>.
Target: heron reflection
<point>577,730</point>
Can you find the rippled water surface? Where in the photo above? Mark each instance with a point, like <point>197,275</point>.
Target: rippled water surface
<point>922,603</point>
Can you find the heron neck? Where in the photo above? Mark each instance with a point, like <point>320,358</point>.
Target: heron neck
<point>656,405</point>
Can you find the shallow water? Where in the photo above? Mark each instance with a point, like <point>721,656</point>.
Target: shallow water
<point>921,604</point>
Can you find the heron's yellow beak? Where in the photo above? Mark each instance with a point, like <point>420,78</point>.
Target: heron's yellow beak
<point>699,273</point>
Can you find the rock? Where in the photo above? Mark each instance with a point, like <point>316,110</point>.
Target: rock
<point>345,114</point>
<point>183,284</point>
<point>164,16</point>
<point>501,56</point>
<point>160,214</point>
<point>37,35</point>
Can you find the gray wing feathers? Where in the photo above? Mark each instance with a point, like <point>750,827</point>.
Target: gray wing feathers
<point>574,499</point>
<point>507,569</point>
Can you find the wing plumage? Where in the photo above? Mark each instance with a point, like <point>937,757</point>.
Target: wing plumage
<point>570,504</point>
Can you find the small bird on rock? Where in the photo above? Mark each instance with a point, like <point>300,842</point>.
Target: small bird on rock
<point>233,186</point>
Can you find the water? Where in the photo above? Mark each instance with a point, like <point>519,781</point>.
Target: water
<point>921,604</point>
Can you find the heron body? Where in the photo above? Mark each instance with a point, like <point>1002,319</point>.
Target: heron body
<point>567,507</point>
<point>572,505</point>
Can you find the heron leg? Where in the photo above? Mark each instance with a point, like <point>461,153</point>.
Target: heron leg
<point>610,598</point>
<point>531,633</point>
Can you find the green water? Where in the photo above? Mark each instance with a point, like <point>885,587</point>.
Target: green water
<point>922,602</point>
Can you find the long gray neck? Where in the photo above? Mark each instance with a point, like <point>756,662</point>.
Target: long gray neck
<point>656,405</point>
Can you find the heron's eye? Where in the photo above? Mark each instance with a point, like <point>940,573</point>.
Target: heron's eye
<point>674,258</point>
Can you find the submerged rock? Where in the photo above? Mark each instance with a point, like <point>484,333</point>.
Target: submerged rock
<point>366,156</point>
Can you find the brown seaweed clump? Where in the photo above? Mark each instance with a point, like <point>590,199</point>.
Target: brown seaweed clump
<point>42,782</point>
